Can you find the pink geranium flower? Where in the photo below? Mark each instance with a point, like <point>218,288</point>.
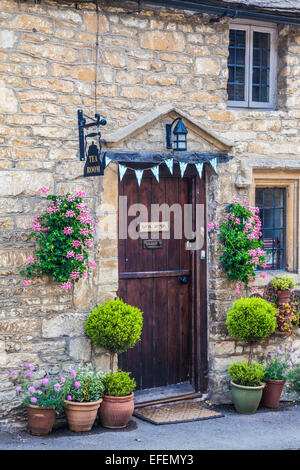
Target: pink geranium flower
<point>44,190</point>
<point>264,275</point>
<point>26,282</point>
<point>68,230</point>
<point>93,265</point>
<point>67,285</point>
<point>76,243</point>
<point>80,193</point>
<point>30,259</point>
<point>70,254</point>
<point>210,225</point>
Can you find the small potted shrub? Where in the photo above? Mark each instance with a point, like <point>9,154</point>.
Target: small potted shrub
<point>115,326</point>
<point>283,284</point>
<point>276,372</point>
<point>118,405</point>
<point>247,385</point>
<point>43,399</point>
<point>83,390</point>
<point>250,319</point>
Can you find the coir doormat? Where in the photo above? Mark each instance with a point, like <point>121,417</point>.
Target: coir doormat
<point>176,413</point>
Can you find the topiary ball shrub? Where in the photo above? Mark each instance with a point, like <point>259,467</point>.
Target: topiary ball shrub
<point>251,319</point>
<point>115,326</point>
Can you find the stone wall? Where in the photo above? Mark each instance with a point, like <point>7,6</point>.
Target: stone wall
<point>145,60</point>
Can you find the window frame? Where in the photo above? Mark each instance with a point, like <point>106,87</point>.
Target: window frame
<point>290,180</point>
<point>249,102</point>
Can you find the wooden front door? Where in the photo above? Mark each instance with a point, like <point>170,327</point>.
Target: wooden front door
<point>158,275</point>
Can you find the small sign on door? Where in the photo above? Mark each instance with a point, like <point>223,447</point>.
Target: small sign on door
<point>154,227</point>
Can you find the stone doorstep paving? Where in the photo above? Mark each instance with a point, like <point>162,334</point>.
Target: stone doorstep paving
<point>267,429</point>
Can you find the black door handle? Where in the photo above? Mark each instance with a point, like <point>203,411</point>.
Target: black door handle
<point>183,279</point>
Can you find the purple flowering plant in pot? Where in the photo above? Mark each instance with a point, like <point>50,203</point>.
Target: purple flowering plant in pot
<point>43,398</point>
<point>277,367</point>
<point>83,391</point>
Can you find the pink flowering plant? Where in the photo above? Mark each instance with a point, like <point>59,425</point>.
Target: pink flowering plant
<point>64,233</point>
<point>83,384</point>
<point>240,235</point>
<point>278,365</point>
<point>45,392</point>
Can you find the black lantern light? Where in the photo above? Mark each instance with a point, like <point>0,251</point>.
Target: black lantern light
<point>176,139</point>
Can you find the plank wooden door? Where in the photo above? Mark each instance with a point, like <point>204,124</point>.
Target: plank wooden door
<point>160,282</point>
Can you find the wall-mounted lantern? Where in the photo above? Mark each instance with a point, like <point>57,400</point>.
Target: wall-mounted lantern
<point>177,137</point>
<point>91,151</point>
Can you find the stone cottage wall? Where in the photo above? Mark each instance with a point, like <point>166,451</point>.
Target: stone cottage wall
<point>47,72</point>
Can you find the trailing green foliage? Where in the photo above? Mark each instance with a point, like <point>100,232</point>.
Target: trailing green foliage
<point>251,319</point>
<point>115,326</point>
<point>250,375</point>
<point>119,384</point>
<point>283,282</point>
<point>84,384</point>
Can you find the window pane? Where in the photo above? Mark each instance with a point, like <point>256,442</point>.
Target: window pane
<point>272,205</point>
<point>236,65</point>
<point>261,67</point>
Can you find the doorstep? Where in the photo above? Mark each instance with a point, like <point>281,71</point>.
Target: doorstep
<point>166,393</point>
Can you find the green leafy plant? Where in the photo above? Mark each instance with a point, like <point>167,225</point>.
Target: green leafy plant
<point>277,365</point>
<point>119,384</point>
<point>45,392</point>
<point>251,319</point>
<point>64,232</point>
<point>283,282</point>
<point>115,326</point>
<point>250,375</point>
<point>84,384</point>
<point>241,244</point>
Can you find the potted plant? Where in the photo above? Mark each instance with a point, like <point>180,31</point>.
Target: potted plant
<point>247,385</point>
<point>249,319</point>
<point>277,366</point>
<point>283,284</point>
<point>83,390</point>
<point>115,326</point>
<point>118,405</point>
<point>42,399</point>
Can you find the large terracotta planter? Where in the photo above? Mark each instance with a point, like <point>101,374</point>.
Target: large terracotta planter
<point>272,393</point>
<point>81,415</point>
<point>284,296</point>
<point>246,399</point>
<point>40,419</point>
<point>115,412</point>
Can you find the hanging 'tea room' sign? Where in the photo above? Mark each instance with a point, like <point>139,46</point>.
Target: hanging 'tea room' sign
<point>90,145</point>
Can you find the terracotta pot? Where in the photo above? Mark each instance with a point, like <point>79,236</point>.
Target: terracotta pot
<point>81,415</point>
<point>246,399</point>
<point>284,296</point>
<point>115,412</point>
<point>40,419</point>
<point>272,393</point>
